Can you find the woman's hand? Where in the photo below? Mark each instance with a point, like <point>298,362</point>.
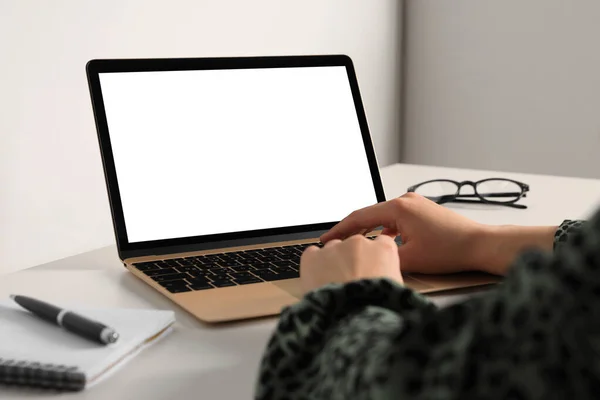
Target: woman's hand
<point>438,240</point>
<point>352,259</point>
<point>435,239</point>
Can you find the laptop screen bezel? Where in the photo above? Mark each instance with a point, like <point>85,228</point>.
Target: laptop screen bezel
<point>96,67</point>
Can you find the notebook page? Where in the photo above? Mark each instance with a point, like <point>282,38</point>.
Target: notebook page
<point>25,337</point>
<point>94,380</point>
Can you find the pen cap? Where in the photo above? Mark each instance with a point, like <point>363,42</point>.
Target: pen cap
<point>40,308</point>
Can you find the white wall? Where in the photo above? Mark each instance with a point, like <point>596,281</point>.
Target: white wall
<point>52,200</point>
<point>503,84</point>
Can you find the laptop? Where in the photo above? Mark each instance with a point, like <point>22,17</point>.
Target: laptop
<point>221,171</point>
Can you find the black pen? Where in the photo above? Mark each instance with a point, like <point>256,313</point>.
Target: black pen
<point>68,320</point>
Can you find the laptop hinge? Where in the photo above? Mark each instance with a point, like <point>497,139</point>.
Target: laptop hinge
<point>124,255</point>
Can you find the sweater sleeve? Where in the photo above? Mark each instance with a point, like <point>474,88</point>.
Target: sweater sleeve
<point>336,341</point>
<point>568,228</point>
<point>535,335</point>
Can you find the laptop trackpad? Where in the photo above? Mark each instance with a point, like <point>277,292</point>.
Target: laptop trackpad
<point>435,283</point>
<point>240,302</point>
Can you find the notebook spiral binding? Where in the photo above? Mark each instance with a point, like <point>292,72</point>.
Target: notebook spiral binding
<point>34,374</point>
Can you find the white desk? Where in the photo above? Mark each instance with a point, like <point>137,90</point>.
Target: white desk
<point>204,362</point>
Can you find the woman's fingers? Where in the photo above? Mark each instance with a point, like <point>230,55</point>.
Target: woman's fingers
<point>365,219</point>
<point>331,243</point>
<point>391,232</point>
<point>385,239</point>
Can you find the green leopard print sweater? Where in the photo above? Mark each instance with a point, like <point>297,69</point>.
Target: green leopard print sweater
<point>535,336</point>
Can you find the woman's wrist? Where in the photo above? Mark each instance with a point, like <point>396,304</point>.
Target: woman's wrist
<point>498,246</point>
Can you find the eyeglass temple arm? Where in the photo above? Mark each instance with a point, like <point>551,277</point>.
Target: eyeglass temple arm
<point>505,194</point>
<point>520,206</point>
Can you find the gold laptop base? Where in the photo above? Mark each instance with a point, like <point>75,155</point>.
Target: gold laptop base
<point>267,299</point>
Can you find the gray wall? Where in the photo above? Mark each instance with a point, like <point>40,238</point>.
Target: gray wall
<point>503,84</point>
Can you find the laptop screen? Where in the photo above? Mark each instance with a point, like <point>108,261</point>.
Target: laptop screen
<point>202,152</point>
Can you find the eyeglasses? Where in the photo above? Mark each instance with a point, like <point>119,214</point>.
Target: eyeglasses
<point>500,191</point>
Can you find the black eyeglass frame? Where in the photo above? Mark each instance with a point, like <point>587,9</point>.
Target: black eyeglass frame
<point>464,198</point>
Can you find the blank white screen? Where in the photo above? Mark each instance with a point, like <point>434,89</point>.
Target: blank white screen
<point>216,151</point>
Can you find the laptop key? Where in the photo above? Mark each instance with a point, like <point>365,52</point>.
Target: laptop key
<point>289,274</point>
<point>162,264</point>
<point>284,269</point>
<point>261,265</point>
<point>144,263</point>
<point>269,259</point>
<point>198,273</point>
<point>178,289</point>
<point>271,276</point>
<point>247,281</point>
<point>230,264</point>
<point>197,279</point>
<point>218,275</point>
<point>292,262</point>
<point>157,272</point>
<point>286,257</point>
<point>170,277</point>
<point>242,268</point>
<point>290,271</point>
<point>202,286</point>
<point>187,268</point>
<point>175,282</point>
<point>253,252</point>
<point>264,272</point>
<point>151,272</point>
<point>237,275</point>
<point>223,283</point>
<point>146,266</point>
<point>282,263</point>
<point>179,285</point>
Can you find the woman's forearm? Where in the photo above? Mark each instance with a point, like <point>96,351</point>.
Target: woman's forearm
<point>499,245</point>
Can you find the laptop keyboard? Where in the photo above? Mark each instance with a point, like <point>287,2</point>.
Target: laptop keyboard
<point>204,272</point>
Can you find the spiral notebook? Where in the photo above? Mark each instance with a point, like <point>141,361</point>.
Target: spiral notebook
<point>36,353</point>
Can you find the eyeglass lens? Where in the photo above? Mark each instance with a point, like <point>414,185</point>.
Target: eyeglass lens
<point>437,190</point>
<point>499,190</point>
